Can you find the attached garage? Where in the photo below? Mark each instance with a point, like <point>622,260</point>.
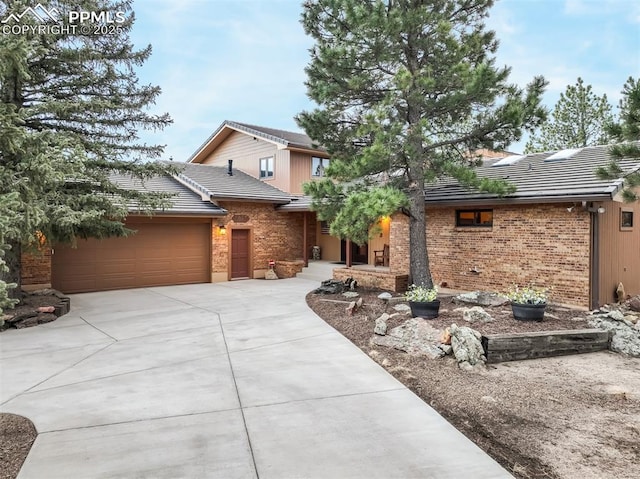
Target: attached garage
<point>164,251</point>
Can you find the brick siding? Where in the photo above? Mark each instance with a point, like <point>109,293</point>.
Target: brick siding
<point>36,268</point>
<point>540,244</point>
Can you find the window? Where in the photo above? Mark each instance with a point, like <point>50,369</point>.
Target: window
<point>475,218</point>
<point>626,219</point>
<point>266,167</point>
<point>318,165</point>
<point>324,228</point>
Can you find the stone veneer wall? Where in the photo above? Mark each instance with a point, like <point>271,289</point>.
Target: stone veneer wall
<point>274,235</point>
<point>373,279</point>
<point>541,244</point>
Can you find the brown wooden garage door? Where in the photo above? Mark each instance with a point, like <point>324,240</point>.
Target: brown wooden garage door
<point>160,253</point>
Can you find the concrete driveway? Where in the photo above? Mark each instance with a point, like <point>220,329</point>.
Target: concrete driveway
<point>232,380</point>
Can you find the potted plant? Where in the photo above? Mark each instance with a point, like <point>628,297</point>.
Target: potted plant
<point>528,303</point>
<point>423,301</point>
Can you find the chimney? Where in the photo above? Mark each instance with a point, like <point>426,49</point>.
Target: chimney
<point>230,171</point>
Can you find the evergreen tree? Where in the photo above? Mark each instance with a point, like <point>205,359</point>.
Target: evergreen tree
<point>626,135</point>
<point>70,111</point>
<point>406,88</point>
<point>579,119</point>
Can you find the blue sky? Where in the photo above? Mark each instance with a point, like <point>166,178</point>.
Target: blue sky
<point>244,60</point>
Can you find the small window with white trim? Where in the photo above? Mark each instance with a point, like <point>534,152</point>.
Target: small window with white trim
<point>266,167</point>
<point>318,165</point>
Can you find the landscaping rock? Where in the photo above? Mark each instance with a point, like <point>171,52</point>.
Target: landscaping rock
<point>270,274</point>
<point>476,315</point>
<point>415,336</point>
<point>626,334</point>
<point>330,286</point>
<point>381,325</point>
<point>467,347</point>
<point>402,308</point>
<point>634,303</point>
<point>447,349</point>
<point>350,294</point>
<point>46,309</point>
<point>481,298</point>
<point>385,296</point>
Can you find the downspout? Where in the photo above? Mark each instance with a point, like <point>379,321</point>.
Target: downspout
<point>594,279</point>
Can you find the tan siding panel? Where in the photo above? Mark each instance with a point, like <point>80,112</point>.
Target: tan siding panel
<point>619,251</point>
<point>244,151</point>
<point>300,171</point>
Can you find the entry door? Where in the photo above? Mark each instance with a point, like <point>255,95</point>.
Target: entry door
<point>239,254</point>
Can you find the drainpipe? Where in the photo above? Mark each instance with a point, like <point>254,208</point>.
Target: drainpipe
<point>230,171</point>
<point>594,279</point>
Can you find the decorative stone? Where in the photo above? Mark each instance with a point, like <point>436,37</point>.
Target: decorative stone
<point>351,308</point>
<point>626,338</point>
<point>415,337</point>
<point>447,349</point>
<point>467,347</point>
<point>481,298</point>
<point>330,286</point>
<point>477,315</point>
<point>386,363</point>
<point>270,274</point>
<point>46,318</point>
<point>445,337</point>
<point>550,316</point>
<point>46,309</point>
<point>350,294</point>
<point>617,315</point>
<point>634,303</point>
<point>631,318</point>
<point>402,308</point>
<point>385,296</point>
<point>381,325</point>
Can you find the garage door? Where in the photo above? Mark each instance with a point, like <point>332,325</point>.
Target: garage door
<point>159,254</point>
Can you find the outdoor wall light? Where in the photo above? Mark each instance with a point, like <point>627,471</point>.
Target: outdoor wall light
<point>601,210</point>
<point>222,229</point>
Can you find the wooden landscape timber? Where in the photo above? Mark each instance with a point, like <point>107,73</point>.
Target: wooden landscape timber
<point>516,346</point>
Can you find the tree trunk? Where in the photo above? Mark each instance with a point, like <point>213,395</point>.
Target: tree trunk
<point>419,272</point>
<point>13,258</point>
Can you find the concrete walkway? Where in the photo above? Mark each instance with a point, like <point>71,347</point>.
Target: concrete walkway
<point>232,380</point>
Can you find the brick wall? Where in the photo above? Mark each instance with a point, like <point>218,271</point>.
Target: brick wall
<point>541,244</point>
<point>36,268</point>
<point>373,279</point>
<point>274,235</point>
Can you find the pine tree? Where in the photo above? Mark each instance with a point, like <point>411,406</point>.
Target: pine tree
<point>406,88</point>
<point>71,107</point>
<point>626,135</point>
<point>579,119</point>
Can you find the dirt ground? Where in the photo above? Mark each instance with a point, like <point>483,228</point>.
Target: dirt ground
<point>570,417</point>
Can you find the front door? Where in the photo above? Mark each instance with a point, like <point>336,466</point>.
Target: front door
<point>239,254</point>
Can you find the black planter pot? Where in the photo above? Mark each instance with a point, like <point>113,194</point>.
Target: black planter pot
<point>427,310</point>
<point>528,312</point>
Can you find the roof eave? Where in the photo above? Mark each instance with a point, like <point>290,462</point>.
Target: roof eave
<point>519,201</point>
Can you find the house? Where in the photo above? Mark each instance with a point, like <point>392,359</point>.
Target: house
<point>563,228</point>
<point>239,204</point>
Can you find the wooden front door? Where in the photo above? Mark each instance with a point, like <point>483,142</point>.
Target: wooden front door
<point>239,254</point>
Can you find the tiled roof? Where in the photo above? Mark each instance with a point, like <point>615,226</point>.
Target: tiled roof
<point>284,138</point>
<point>287,138</point>
<point>184,201</point>
<point>298,203</point>
<point>536,180</point>
<point>215,182</point>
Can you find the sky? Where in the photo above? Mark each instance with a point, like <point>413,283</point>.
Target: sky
<point>244,60</point>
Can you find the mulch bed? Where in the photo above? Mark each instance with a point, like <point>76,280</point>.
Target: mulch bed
<point>18,435</point>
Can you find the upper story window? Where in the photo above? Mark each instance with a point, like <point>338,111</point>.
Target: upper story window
<point>474,218</point>
<point>318,165</point>
<point>626,219</point>
<point>266,167</point>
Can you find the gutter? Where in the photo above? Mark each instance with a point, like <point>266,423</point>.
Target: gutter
<point>518,201</point>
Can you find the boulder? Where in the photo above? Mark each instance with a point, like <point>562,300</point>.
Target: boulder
<point>330,286</point>
<point>634,303</point>
<point>481,298</point>
<point>626,335</point>
<point>415,336</point>
<point>402,308</point>
<point>467,347</point>
<point>385,296</point>
<point>476,314</point>
<point>270,274</point>
<point>381,325</point>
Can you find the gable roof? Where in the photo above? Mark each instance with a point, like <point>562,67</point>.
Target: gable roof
<point>183,202</point>
<point>539,178</point>
<point>214,182</point>
<point>283,139</point>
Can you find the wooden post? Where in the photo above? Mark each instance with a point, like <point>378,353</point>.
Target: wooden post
<point>349,257</point>
<point>305,249</point>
